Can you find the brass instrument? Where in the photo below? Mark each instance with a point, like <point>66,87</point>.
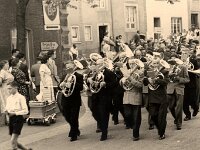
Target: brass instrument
<point>126,82</point>
<point>69,82</point>
<point>157,75</point>
<point>97,79</point>
<point>173,73</point>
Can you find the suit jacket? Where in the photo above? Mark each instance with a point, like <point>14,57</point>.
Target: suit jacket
<point>179,86</point>
<point>35,73</point>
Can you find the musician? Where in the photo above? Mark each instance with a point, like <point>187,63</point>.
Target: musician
<point>101,101</point>
<point>157,95</point>
<point>71,104</point>
<point>132,100</point>
<point>175,91</point>
<point>117,95</point>
<point>190,92</point>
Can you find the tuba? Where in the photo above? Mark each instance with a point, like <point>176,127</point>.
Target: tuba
<point>70,81</point>
<point>126,82</point>
<point>158,75</point>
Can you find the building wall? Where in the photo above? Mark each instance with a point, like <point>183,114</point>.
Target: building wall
<point>164,10</point>
<point>8,19</point>
<point>35,22</point>
<point>119,18</point>
<point>86,15</point>
<point>194,8</point>
<point>112,15</point>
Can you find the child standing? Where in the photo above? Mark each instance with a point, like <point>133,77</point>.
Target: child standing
<point>16,107</point>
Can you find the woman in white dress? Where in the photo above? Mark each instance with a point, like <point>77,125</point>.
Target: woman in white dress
<point>46,83</point>
<point>5,78</point>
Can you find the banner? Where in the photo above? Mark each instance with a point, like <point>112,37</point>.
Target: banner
<point>51,16</point>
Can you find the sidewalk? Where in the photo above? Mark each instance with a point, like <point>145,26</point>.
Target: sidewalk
<point>36,133</point>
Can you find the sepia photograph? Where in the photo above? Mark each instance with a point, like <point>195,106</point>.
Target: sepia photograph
<point>99,74</point>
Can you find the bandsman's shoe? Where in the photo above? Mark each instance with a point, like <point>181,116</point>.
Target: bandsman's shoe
<point>187,118</point>
<point>162,137</point>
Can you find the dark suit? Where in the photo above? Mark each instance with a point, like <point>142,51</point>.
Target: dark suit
<point>101,102</point>
<point>71,106</point>
<point>157,100</point>
<point>175,93</point>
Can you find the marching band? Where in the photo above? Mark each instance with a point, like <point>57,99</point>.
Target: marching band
<point>127,81</point>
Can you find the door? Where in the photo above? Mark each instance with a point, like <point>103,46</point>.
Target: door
<point>102,30</point>
<point>194,20</point>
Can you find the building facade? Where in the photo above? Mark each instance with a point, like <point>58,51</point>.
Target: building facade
<point>164,18</point>
<point>194,14</point>
<point>87,24</point>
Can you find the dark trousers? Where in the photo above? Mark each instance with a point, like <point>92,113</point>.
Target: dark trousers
<point>118,106</point>
<point>158,114</point>
<point>133,117</point>
<point>101,111</point>
<point>190,99</point>
<point>176,107</point>
<point>71,115</point>
<point>146,104</point>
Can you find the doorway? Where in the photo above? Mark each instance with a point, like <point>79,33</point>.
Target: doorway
<point>102,30</point>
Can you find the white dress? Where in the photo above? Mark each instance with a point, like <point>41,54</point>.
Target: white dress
<point>46,83</point>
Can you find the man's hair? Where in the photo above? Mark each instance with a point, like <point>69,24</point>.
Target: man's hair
<point>14,51</point>
<point>13,84</point>
<point>20,56</point>
<point>50,53</point>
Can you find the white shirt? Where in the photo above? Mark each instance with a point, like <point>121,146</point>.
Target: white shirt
<point>17,104</point>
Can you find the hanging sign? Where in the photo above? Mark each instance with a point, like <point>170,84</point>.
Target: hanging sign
<point>51,16</point>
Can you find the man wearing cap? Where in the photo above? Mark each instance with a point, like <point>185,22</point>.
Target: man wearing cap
<point>71,104</point>
<point>175,91</point>
<point>132,83</point>
<point>157,95</point>
<point>101,101</point>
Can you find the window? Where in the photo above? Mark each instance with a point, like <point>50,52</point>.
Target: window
<point>13,38</point>
<point>156,22</point>
<point>130,17</point>
<point>75,34</point>
<point>88,33</point>
<point>100,3</point>
<point>176,25</point>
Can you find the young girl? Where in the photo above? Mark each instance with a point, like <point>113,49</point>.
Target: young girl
<point>16,107</point>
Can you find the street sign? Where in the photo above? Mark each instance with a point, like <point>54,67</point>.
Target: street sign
<point>49,45</point>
